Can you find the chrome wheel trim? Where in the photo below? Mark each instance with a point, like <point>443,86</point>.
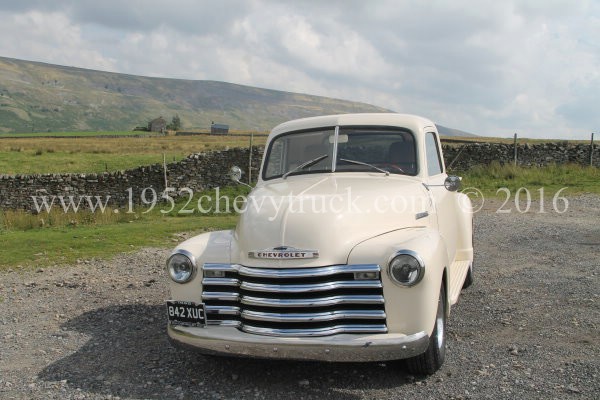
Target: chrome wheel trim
<point>440,334</point>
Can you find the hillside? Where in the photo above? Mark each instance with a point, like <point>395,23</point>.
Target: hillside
<point>444,131</point>
<point>48,98</point>
<point>41,97</point>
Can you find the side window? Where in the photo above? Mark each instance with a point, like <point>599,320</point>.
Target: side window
<point>434,163</point>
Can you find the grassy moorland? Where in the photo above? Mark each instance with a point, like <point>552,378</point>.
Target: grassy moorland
<point>18,135</point>
<point>105,134</point>
<point>60,237</point>
<point>25,155</point>
<point>85,155</point>
<point>576,178</point>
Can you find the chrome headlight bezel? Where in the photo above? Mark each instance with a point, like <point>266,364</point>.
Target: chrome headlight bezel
<point>416,258</point>
<point>188,259</point>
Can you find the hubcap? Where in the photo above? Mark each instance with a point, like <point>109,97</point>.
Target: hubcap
<point>439,325</point>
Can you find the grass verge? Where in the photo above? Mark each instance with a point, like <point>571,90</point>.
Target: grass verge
<point>576,178</point>
<point>62,238</point>
<point>64,245</point>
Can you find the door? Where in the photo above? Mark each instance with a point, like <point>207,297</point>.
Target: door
<point>444,201</point>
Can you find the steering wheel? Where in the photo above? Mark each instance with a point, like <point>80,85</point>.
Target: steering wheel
<point>391,167</point>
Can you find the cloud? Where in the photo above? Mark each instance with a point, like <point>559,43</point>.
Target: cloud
<point>493,69</point>
<point>49,37</point>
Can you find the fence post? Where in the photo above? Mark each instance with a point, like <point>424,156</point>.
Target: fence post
<point>592,151</point>
<point>515,147</point>
<point>165,170</point>
<point>250,159</point>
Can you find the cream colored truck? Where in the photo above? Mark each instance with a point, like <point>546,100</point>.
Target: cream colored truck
<point>354,245</point>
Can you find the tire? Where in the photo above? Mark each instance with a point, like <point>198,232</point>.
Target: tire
<point>433,358</point>
<point>469,278</point>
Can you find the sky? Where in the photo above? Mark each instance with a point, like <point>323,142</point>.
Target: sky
<point>492,68</point>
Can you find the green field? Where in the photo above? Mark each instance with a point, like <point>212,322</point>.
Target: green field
<point>62,238</point>
<point>488,179</point>
<point>75,134</point>
<point>26,155</point>
<point>85,155</point>
<point>63,245</point>
<point>104,134</point>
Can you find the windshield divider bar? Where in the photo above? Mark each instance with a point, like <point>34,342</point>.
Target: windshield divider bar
<point>336,134</point>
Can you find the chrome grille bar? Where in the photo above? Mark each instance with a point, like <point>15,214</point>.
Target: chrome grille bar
<point>292,272</point>
<point>309,288</point>
<point>235,324</point>
<point>313,302</point>
<point>300,302</point>
<point>221,282</point>
<point>313,317</point>
<point>224,296</point>
<point>303,332</point>
<point>222,310</point>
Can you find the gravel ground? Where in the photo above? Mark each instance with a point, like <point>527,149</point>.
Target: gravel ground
<point>528,327</point>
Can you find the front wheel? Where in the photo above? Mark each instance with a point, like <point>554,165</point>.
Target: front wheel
<point>433,358</point>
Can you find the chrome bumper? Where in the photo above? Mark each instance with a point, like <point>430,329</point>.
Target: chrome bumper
<point>335,348</point>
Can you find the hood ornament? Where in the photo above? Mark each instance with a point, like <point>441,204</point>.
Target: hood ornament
<point>284,253</point>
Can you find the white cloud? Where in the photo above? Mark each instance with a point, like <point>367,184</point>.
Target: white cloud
<point>492,68</point>
<point>49,37</point>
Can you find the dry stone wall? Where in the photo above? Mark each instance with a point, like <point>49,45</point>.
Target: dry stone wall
<point>208,170</point>
<point>530,155</point>
<point>197,172</point>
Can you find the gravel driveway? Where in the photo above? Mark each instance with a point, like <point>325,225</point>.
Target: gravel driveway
<point>527,328</point>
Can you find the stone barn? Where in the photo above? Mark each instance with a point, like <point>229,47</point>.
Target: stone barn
<point>157,125</point>
<point>219,129</point>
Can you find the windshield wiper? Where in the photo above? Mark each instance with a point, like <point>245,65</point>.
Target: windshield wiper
<point>366,165</point>
<point>306,164</point>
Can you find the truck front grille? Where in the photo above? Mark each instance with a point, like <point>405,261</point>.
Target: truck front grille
<point>297,302</point>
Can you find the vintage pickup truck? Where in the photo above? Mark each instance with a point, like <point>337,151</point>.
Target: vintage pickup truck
<point>354,245</point>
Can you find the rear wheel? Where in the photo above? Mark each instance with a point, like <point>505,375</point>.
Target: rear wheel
<point>433,358</point>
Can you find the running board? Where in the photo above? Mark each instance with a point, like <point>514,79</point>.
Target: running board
<point>458,272</point>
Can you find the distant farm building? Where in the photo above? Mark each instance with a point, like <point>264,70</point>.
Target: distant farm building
<point>218,129</point>
<point>157,125</point>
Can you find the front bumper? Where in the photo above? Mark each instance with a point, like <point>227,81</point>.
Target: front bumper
<point>335,348</point>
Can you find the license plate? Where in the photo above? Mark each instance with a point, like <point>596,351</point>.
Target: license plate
<point>186,313</point>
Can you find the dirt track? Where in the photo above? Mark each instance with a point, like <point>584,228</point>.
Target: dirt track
<point>529,327</point>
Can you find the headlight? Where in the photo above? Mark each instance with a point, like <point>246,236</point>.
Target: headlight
<point>406,268</point>
<point>181,266</point>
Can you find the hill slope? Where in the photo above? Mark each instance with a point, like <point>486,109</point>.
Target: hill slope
<point>41,97</point>
<point>44,97</point>
<point>444,131</point>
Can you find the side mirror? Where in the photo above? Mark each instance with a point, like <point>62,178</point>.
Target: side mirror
<point>452,183</point>
<point>235,173</point>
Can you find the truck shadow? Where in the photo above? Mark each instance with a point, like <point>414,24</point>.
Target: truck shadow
<point>128,355</point>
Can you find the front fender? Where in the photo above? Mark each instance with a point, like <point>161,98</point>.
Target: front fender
<point>207,247</point>
<point>408,309</point>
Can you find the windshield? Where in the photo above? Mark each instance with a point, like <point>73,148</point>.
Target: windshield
<point>359,149</point>
<point>288,153</point>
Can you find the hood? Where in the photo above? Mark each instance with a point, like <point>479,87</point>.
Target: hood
<point>329,214</point>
